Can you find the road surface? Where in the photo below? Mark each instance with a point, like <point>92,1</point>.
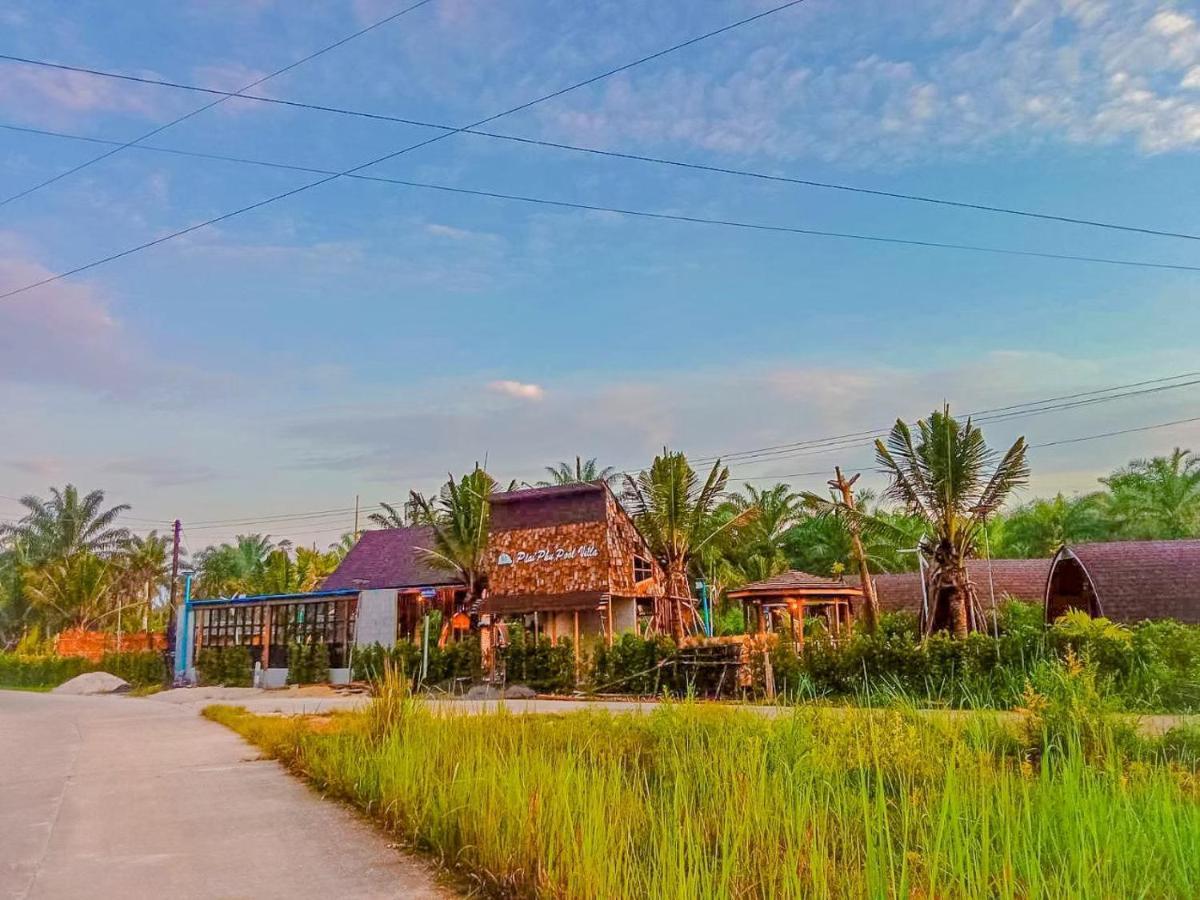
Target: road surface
<point>114,797</point>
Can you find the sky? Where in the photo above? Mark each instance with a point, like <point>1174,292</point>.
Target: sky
<point>364,338</point>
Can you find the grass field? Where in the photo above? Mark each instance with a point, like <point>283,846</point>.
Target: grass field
<point>694,801</point>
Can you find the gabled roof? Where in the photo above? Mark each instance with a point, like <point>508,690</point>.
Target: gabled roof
<point>795,581</point>
<point>1136,580</point>
<point>390,558</point>
<point>542,493</point>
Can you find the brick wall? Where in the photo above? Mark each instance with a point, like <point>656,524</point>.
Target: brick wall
<point>94,644</point>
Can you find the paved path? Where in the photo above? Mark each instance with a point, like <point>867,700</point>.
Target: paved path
<point>113,797</point>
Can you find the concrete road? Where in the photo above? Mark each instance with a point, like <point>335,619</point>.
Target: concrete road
<point>113,797</point>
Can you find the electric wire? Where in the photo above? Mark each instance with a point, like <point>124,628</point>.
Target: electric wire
<point>396,153</point>
<point>597,151</point>
<point>592,207</point>
<point>221,99</point>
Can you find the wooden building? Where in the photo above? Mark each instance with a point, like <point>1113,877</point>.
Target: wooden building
<point>1126,581</point>
<point>795,596</point>
<point>570,562</point>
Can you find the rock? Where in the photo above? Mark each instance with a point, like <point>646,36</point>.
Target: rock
<point>512,692</point>
<point>93,683</point>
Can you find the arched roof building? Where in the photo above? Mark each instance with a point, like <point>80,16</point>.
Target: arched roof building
<point>1126,581</point>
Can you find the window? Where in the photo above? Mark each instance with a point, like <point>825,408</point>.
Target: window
<point>642,570</point>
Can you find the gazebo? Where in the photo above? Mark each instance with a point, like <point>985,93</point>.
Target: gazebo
<point>799,593</point>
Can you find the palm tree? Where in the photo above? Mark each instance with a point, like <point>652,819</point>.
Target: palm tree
<point>68,524</point>
<point>582,471</point>
<point>459,518</point>
<point>144,563</point>
<point>342,546</point>
<point>392,517</point>
<point>1038,528</point>
<point>952,480</point>
<point>674,512</point>
<point>1158,497</point>
<point>233,568</point>
<point>73,592</point>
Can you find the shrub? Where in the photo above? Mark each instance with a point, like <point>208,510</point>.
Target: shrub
<point>308,664</point>
<point>459,660</point>
<point>140,669</point>
<point>544,665</point>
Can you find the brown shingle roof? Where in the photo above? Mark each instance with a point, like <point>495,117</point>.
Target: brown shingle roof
<point>1024,579</point>
<point>793,580</point>
<point>389,558</point>
<point>1135,580</point>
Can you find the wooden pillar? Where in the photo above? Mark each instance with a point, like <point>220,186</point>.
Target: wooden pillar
<point>837,619</point>
<point>610,619</point>
<point>576,646</point>
<point>800,640</point>
<point>266,641</point>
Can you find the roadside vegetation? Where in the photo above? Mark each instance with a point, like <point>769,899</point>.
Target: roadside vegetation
<point>695,801</point>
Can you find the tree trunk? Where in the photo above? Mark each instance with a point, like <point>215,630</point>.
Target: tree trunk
<point>952,596</point>
<point>677,590</point>
<point>870,603</point>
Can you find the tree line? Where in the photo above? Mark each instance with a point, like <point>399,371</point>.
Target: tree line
<point>67,562</point>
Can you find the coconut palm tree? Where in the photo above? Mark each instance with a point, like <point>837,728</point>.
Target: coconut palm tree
<point>674,511</point>
<point>67,524</point>
<point>1158,497</point>
<point>582,471</point>
<point>459,519</point>
<point>954,482</point>
<point>391,517</point>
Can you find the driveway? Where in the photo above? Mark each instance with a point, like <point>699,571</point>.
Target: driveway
<point>116,797</point>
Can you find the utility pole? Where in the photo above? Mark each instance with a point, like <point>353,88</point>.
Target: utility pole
<point>178,529</point>
<point>846,489</point>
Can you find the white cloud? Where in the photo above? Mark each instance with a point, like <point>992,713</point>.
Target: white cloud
<point>54,97</point>
<point>910,80</point>
<point>64,334</point>
<point>518,389</point>
<point>624,421</point>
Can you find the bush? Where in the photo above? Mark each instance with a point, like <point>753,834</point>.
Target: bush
<point>544,665</point>
<point>140,669</point>
<point>228,666</point>
<point>459,660</point>
<point>308,664</point>
<point>633,665</point>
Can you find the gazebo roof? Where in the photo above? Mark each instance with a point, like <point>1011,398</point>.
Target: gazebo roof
<point>795,583</point>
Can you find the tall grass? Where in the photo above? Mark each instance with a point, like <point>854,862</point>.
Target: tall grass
<point>693,801</point>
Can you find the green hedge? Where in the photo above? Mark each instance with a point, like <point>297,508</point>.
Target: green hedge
<point>143,668</point>
<point>457,660</point>
<point>228,666</point>
<point>308,664</point>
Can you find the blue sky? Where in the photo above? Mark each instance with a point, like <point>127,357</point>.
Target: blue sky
<point>363,338</point>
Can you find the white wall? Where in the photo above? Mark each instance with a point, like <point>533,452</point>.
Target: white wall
<point>376,618</point>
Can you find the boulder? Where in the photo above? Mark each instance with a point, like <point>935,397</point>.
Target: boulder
<point>93,683</point>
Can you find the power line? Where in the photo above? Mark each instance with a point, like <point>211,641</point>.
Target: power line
<point>1106,434</point>
<point>592,207</point>
<point>388,156</point>
<point>596,151</point>
<point>981,415</point>
<point>216,102</point>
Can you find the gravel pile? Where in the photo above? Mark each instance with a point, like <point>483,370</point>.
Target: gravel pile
<point>93,683</point>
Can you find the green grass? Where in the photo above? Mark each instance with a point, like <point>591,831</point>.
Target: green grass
<point>694,801</point>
